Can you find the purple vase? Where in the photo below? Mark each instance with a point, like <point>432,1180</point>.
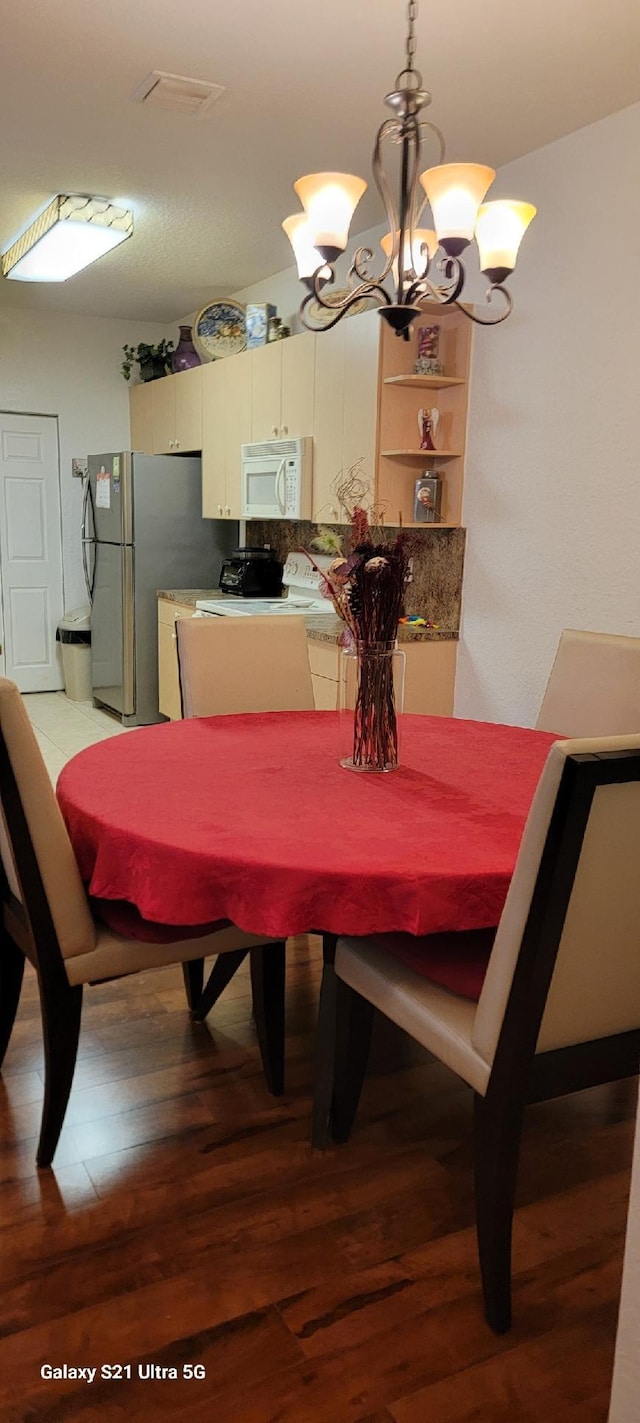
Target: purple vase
<point>185,356</point>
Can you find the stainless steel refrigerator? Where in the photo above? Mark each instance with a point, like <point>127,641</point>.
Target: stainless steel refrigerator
<point>142,530</point>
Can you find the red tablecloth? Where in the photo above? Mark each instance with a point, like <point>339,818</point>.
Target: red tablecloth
<point>250,818</point>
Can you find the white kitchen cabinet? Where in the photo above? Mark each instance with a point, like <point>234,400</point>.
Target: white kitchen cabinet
<point>169,700</point>
<point>266,389</point>
<point>430,673</point>
<point>187,386</point>
<point>141,417</point>
<point>282,393</point>
<point>328,421</point>
<point>360,415</point>
<point>226,425</point>
<point>166,414</point>
<point>297,394</point>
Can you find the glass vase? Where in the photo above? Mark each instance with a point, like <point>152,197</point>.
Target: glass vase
<point>185,356</point>
<point>371,702</point>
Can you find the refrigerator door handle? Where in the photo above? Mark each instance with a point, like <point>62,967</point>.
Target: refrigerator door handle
<point>85,502</point>
<point>128,634</point>
<point>88,580</point>
<point>88,538</point>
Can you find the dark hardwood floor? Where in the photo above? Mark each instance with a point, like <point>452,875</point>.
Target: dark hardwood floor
<point>188,1222</point>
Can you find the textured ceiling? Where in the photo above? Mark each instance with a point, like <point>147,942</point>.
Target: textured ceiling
<point>304,87</point>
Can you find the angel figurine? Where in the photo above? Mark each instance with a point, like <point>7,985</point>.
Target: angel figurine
<point>428,421</point>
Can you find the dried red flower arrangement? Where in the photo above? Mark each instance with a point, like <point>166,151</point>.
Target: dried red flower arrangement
<point>367,588</point>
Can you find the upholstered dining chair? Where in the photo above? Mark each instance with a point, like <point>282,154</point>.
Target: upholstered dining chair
<point>46,918</point>
<point>559,1008</point>
<point>243,664</point>
<point>233,665</point>
<point>594,686</point>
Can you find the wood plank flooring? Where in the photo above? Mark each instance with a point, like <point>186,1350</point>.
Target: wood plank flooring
<point>188,1222</point>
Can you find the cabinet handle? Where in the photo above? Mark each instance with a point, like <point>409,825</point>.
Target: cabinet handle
<point>176,444</point>
<point>274,429</point>
<point>219,508</point>
<point>228,509</point>
<point>284,430</point>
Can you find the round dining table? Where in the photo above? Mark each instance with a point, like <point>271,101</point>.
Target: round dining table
<point>251,818</point>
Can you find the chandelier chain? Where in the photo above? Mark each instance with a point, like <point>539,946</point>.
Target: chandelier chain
<point>412,11</point>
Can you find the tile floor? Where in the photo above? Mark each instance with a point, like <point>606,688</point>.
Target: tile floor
<point>63,727</point>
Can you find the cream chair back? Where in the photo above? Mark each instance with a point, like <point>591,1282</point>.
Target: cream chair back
<point>595,986</point>
<point>594,686</point>
<point>257,664</point>
<point>56,861</point>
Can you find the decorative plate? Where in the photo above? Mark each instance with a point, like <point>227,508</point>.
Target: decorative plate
<point>220,329</point>
<point>320,316</point>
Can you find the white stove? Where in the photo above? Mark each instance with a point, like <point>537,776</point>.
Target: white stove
<point>300,578</point>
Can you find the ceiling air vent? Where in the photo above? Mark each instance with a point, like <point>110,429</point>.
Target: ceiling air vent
<point>175,91</point>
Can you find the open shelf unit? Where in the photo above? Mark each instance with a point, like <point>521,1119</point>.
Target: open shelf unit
<point>421,455</point>
<point>426,382</point>
<point>401,395</point>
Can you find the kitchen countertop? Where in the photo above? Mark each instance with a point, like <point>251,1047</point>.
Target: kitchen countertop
<point>322,627</point>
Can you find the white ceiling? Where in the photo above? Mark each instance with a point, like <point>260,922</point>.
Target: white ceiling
<point>304,86</point>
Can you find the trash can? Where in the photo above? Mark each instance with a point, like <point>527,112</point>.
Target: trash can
<point>74,636</point>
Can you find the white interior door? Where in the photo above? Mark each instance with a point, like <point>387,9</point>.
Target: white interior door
<point>30,550</point>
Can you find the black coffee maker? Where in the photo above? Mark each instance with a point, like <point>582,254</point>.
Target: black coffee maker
<point>251,573</point>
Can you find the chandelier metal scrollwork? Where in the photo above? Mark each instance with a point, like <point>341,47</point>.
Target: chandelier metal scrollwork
<point>319,233</point>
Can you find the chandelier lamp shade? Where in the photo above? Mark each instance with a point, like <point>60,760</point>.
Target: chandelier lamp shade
<point>69,234</point>
<point>413,254</point>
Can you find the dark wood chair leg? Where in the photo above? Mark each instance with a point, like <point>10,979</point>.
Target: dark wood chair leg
<point>225,966</point>
<point>354,1025</point>
<point>497,1133</point>
<point>11,974</point>
<point>267,984</point>
<point>61,1012</point>
<point>325,1047</point>
<point>193,974</point>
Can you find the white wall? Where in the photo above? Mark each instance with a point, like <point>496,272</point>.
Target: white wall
<point>69,366</point>
<point>552,486</point>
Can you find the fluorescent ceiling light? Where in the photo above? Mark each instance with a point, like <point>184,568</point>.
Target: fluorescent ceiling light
<point>71,233</point>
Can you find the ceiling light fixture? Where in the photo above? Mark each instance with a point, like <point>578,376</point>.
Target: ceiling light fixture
<point>455,191</point>
<point>71,233</point>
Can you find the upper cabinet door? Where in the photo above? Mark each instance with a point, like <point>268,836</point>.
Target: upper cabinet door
<point>327,423</point>
<point>214,427</point>
<point>141,418</point>
<point>239,382</point>
<point>188,410</point>
<point>266,389</point>
<point>361,360</point>
<point>163,414</point>
<point>298,369</point>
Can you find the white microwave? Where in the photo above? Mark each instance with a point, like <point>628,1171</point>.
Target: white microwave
<point>276,479</point>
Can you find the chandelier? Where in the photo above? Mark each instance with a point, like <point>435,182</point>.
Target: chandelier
<point>320,233</point>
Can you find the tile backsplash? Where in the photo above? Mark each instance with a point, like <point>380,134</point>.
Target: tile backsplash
<point>437,561</point>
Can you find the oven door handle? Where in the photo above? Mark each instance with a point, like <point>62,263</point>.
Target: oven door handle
<point>279,483</point>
